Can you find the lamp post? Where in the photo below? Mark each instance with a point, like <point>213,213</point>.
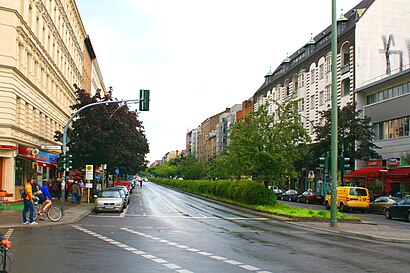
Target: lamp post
<point>383,172</point>
<point>333,142</point>
<point>65,138</point>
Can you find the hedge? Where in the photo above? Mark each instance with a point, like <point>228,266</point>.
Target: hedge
<point>240,191</point>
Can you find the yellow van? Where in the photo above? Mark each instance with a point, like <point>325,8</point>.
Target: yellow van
<point>350,198</point>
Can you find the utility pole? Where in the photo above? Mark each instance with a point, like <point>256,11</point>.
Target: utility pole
<point>333,143</point>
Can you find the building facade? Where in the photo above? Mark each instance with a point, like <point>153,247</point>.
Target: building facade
<point>373,43</point>
<point>44,52</point>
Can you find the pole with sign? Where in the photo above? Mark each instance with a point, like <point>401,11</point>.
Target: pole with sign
<point>89,169</point>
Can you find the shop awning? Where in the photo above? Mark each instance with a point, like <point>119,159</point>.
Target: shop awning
<point>404,172</point>
<point>364,172</point>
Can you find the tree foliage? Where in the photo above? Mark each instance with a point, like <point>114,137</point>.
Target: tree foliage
<point>106,134</point>
<point>355,135</point>
<point>267,145</point>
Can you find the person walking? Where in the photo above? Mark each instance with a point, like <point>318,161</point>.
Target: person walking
<point>81,185</point>
<point>75,191</point>
<point>28,203</point>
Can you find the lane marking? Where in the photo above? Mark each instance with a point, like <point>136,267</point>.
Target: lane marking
<point>194,250</point>
<point>133,250</point>
<point>8,233</point>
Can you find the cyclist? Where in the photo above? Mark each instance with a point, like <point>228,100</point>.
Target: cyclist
<point>45,198</point>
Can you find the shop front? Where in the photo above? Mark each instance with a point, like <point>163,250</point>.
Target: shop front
<point>372,178</point>
<point>399,181</point>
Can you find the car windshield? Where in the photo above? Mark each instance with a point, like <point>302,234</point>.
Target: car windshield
<point>110,194</point>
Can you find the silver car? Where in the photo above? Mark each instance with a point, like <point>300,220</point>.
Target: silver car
<point>109,200</point>
<point>126,193</point>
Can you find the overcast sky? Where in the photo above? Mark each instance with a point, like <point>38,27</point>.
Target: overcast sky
<point>196,57</point>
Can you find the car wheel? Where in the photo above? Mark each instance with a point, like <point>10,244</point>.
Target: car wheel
<point>290,199</point>
<point>342,207</point>
<point>327,205</point>
<point>387,214</point>
<point>307,201</point>
<point>298,200</point>
<point>408,216</point>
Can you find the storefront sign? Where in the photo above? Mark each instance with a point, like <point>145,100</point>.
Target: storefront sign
<point>375,163</point>
<point>394,161</point>
<point>405,162</point>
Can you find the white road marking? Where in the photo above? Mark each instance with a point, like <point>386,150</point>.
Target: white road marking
<point>194,250</point>
<point>8,233</point>
<point>133,250</point>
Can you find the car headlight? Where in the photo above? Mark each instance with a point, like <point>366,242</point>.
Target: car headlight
<point>118,203</point>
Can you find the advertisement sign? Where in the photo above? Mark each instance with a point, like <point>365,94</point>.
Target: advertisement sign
<point>375,163</point>
<point>405,162</point>
<point>394,161</point>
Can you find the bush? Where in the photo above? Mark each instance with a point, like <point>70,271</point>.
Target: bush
<point>242,191</point>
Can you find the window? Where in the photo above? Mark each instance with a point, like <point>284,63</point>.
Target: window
<point>312,76</point>
<point>346,87</point>
<point>394,128</point>
<point>312,102</point>
<point>321,98</point>
<point>328,93</point>
<point>328,64</point>
<point>301,105</point>
<point>321,72</point>
<point>301,80</point>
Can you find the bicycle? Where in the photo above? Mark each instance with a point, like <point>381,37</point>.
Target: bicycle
<point>5,245</point>
<point>53,213</point>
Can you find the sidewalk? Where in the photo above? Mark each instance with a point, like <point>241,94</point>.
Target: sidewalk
<point>72,213</point>
<point>372,231</point>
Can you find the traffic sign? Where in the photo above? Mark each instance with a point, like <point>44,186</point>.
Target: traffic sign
<point>50,147</point>
<point>89,172</point>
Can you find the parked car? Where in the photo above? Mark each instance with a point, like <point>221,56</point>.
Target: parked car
<point>290,195</point>
<point>381,202</point>
<point>109,200</point>
<point>124,183</point>
<point>127,193</point>
<point>123,194</point>
<point>278,192</point>
<point>311,197</point>
<point>400,209</point>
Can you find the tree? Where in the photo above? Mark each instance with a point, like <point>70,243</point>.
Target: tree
<point>267,145</point>
<point>355,135</point>
<point>106,134</point>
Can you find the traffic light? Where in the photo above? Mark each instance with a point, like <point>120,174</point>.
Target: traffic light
<point>144,100</point>
<point>344,163</point>
<point>324,162</point>
<point>65,162</point>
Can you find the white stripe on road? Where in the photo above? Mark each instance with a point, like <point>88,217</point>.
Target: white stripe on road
<point>194,250</point>
<point>133,250</point>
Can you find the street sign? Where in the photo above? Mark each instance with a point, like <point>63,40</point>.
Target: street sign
<point>50,147</point>
<point>89,172</point>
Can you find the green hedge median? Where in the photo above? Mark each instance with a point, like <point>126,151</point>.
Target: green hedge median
<point>242,191</point>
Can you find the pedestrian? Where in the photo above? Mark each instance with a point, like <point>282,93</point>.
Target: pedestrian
<point>81,185</point>
<point>28,203</point>
<point>75,191</point>
<point>67,189</point>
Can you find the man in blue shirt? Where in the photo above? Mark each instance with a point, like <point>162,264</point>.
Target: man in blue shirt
<point>45,198</point>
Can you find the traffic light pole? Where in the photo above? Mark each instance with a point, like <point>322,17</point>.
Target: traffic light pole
<point>333,142</point>
<point>63,183</point>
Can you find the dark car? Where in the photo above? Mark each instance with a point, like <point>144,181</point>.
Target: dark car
<point>310,197</point>
<point>400,209</point>
<point>381,202</point>
<point>290,195</point>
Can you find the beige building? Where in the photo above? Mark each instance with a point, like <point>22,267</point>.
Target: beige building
<point>43,53</point>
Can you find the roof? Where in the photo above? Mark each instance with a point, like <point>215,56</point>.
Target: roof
<point>364,172</point>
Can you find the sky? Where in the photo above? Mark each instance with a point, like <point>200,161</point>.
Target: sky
<point>197,57</point>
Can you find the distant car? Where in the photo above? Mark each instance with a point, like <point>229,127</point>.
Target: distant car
<point>310,197</point>
<point>110,201</point>
<point>145,179</point>
<point>278,192</point>
<point>381,202</point>
<point>290,195</point>
<point>400,209</point>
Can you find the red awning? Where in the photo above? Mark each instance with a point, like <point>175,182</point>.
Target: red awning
<point>364,172</point>
<point>403,171</point>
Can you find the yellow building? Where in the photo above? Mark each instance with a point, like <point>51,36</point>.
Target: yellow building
<point>44,51</point>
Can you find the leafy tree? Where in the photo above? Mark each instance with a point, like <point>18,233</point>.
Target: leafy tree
<point>106,134</point>
<point>190,168</point>
<point>355,135</point>
<point>267,145</point>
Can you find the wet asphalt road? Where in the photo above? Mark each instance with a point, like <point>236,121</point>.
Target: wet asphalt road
<point>167,231</point>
